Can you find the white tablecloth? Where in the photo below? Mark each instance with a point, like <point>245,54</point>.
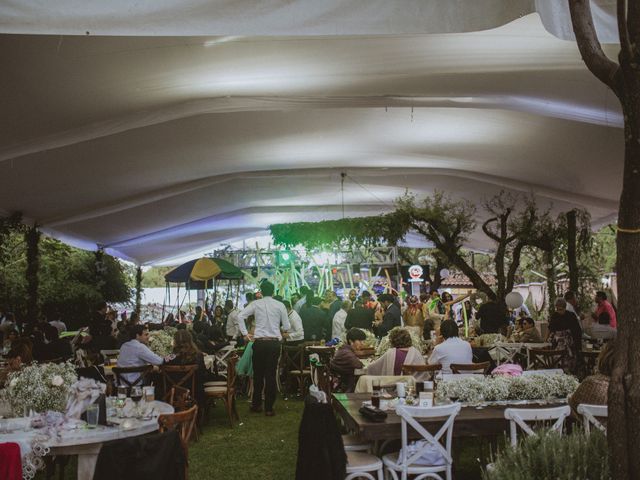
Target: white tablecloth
<point>85,443</point>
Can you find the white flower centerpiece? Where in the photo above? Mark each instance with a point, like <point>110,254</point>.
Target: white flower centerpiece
<point>503,387</point>
<point>369,342</point>
<point>40,387</point>
<point>416,341</point>
<point>161,341</point>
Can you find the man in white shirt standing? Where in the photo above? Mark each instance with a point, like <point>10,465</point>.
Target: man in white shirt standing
<point>337,327</point>
<point>269,315</point>
<point>450,348</point>
<point>296,334</point>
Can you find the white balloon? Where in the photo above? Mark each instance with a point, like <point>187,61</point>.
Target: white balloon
<point>514,300</point>
<point>444,273</point>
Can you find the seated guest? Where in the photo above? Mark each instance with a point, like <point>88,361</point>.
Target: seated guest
<point>136,353</point>
<point>10,337</point>
<point>603,329</point>
<point>593,389</point>
<point>565,334</point>
<point>345,360</point>
<point>186,353</point>
<point>529,332</point>
<point>450,348</point>
<point>19,355</point>
<point>401,352</point>
<point>55,348</point>
<point>123,334</point>
<point>391,315</point>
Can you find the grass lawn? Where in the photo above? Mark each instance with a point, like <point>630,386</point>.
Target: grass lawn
<point>266,447</point>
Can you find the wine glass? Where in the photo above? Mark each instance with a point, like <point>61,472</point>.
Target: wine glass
<point>121,400</point>
<point>136,396</point>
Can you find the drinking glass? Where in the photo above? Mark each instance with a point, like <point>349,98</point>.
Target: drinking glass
<point>136,396</point>
<point>93,412</point>
<point>375,393</point>
<point>149,393</point>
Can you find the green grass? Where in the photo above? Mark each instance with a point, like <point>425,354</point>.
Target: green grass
<point>258,447</point>
<point>267,447</point>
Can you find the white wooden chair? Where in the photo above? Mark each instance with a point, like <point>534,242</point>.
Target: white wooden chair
<point>401,462</point>
<point>590,415</point>
<point>363,465</point>
<point>518,417</point>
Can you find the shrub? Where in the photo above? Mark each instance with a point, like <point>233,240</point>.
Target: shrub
<point>553,456</point>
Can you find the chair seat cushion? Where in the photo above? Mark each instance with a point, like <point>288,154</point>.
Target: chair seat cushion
<point>215,390</point>
<point>351,440</point>
<point>391,461</point>
<point>216,383</point>
<point>361,461</point>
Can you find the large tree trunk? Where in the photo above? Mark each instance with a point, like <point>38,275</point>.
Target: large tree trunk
<point>624,79</point>
<point>572,259</point>
<point>32,238</point>
<point>624,389</point>
<point>138,288</point>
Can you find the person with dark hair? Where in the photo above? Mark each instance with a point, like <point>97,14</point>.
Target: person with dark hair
<point>367,300</point>
<point>10,338</point>
<point>401,352</point>
<point>493,317</point>
<point>231,330</point>
<point>603,329</point>
<point>315,322</point>
<point>339,319</point>
<point>304,291</point>
<point>136,353</point>
<point>604,306</point>
<point>450,348</point>
<point>345,361</point>
<point>200,316</point>
<point>529,333</point>
<point>54,348</point>
<point>359,317</point>
<point>391,317</point>
<point>565,334</point>
<point>269,315</point>
<point>19,355</point>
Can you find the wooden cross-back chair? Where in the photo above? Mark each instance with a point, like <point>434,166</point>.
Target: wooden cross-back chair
<point>178,376</point>
<point>226,393</point>
<point>421,371</point>
<point>542,358</point>
<point>294,365</point>
<point>184,423</point>
<point>180,399</point>
<point>142,379</point>
<point>482,367</point>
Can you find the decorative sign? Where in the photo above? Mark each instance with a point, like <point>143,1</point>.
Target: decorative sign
<point>415,272</point>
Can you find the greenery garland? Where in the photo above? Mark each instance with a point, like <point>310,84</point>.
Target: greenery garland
<point>368,231</point>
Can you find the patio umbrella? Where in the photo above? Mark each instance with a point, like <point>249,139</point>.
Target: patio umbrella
<point>200,273</point>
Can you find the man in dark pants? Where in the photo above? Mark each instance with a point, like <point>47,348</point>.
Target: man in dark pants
<point>269,315</point>
<point>391,318</point>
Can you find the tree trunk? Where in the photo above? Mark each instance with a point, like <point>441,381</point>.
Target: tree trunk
<point>551,279</point>
<point>32,238</point>
<point>624,388</point>
<point>138,288</point>
<point>572,259</point>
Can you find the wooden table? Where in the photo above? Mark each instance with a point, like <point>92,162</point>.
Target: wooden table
<point>470,422</point>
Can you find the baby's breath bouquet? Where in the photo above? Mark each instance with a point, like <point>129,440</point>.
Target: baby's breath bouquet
<point>416,341</point>
<point>40,387</point>
<point>531,387</point>
<point>161,341</point>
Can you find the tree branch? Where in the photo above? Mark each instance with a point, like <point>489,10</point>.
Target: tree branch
<point>633,27</point>
<point>489,233</point>
<point>606,70</point>
<point>623,32</point>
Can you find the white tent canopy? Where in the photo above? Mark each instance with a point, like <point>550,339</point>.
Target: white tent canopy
<point>159,147</point>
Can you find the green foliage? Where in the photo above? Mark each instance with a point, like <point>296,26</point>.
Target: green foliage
<point>368,231</point>
<point>68,283</point>
<point>553,456</point>
<point>154,277</point>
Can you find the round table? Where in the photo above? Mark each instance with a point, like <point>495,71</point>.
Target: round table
<point>85,442</point>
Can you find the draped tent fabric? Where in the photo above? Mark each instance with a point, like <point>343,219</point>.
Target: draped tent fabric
<point>161,148</point>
